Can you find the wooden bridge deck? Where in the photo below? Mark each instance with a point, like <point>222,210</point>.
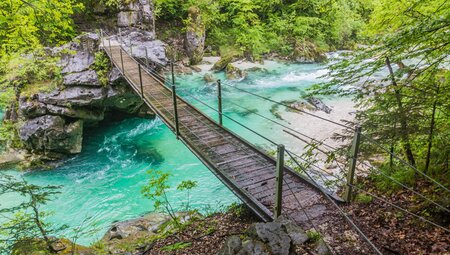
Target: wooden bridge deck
<point>247,171</point>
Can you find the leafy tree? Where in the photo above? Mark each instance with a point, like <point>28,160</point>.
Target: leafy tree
<point>25,25</point>
<point>25,220</point>
<point>401,83</point>
<point>157,188</point>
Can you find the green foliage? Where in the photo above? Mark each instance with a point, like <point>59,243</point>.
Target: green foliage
<point>363,198</point>
<point>102,66</point>
<point>254,28</point>
<point>401,85</point>
<point>176,246</point>
<point>26,25</point>
<point>26,220</point>
<point>9,136</point>
<point>157,188</point>
<point>313,236</point>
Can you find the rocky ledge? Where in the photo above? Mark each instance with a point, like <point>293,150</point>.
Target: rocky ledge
<point>52,123</point>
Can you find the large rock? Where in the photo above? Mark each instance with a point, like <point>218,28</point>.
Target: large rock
<point>75,96</point>
<point>88,78</point>
<point>195,36</point>
<point>318,104</point>
<point>122,98</point>
<point>142,44</point>
<point>52,134</point>
<point>78,55</point>
<point>307,52</point>
<point>234,73</point>
<point>222,63</point>
<point>274,235</point>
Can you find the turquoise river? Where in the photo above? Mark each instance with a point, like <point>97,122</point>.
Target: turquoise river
<point>103,183</point>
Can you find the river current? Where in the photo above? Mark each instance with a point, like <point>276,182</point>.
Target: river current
<point>103,183</point>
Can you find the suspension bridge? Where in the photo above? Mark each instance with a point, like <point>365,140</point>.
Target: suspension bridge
<point>267,185</point>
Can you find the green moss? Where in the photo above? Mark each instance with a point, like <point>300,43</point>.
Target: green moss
<point>313,235</point>
<point>363,198</point>
<point>176,246</point>
<point>102,66</point>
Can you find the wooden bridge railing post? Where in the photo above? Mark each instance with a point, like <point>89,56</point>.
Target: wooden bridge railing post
<point>219,100</point>
<point>279,181</point>
<point>140,81</point>
<point>175,111</point>
<point>121,61</point>
<point>353,161</point>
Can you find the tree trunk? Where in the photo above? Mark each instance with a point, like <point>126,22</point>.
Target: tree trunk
<point>430,137</point>
<point>403,121</point>
<point>38,222</point>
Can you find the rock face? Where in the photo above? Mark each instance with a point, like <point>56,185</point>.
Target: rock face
<point>138,13</point>
<point>142,44</point>
<point>52,134</point>
<point>195,36</point>
<point>281,237</point>
<point>53,122</point>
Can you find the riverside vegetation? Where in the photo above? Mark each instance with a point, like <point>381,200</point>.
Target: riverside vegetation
<point>397,72</point>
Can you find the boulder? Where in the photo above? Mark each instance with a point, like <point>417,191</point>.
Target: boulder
<point>222,63</point>
<point>209,78</point>
<point>87,78</point>
<point>142,44</point>
<point>234,73</point>
<point>148,224</point>
<point>52,133</point>
<point>297,235</point>
<point>274,235</point>
<point>231,246</point>
<point>322,248</point>
<point>75,96</point>
<point>194,41</point>
<point>307,52</point>
<point>319,105</point>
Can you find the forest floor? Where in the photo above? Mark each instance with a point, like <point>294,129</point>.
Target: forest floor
<point>397,232</point>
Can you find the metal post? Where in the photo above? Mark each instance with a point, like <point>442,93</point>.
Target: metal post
<point>353,162</point>
<point>175,111</point>
<point>140,81</point>
<point>109,40</point>
<point>219,100</point>
<point>173,73</point>
<point>146,57</point>
<point>121,61</point>
<point>279,181</point>
<point>120,35</point>
<point>131,50</point>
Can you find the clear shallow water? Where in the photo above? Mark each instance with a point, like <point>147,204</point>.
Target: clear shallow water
<point>104,181</point>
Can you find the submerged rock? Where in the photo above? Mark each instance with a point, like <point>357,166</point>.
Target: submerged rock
<point>234,73</point>
<point>209,78</point>
<point>222,63</point>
